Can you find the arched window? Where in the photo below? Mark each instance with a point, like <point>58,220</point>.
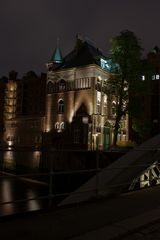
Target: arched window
<point>50,87</point>
<point>105,104</point>
<point>61,106</point>
<point>98,102</point>
<point>62,125</point>
<point>98,107</point>
<point>57,125</point>
<point>113,108</point>
<point>62,85</point>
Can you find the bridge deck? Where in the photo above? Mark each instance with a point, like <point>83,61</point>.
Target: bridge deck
<point>114,178</point>
<point>97,220</point>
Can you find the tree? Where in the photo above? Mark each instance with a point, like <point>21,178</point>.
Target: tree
<point>141,122</point>
<point>126,52</point>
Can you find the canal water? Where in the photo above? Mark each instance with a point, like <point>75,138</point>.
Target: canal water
<point>10,159</point>
<point>25,183</point>
<point>17,193</point>
<point>19,196</point>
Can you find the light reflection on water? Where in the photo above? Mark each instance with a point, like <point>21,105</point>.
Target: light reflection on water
<point>6,191</point>
<point>13,189</point>
<point>10,159</point>
<point>6,196</point>
<point>32,204</point>
<point>18,192</point>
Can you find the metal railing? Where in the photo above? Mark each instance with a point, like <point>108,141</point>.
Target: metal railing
<point>59,184</point>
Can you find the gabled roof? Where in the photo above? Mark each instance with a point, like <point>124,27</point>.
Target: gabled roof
<point>83,54</point>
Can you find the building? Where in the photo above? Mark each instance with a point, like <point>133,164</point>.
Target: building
<point>148,118</point>
<point>34,94</point>
<point>3,81</point>
<point>154,60</point>
<point>79,112</point>
<point>70,109</point>
<point>24,110</point>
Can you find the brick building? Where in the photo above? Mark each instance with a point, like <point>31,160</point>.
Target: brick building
<point>23,110</point>
<point>79,113</point>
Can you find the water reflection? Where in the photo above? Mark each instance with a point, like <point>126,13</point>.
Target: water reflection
<point>32,204</point>
<point>16,189</point>
<point>10,159</point>
<point>6,191</point>
<point>6,196</point>
<point>18,192</point>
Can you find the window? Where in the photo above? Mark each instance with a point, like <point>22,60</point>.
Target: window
<point>153,77</point>
<point>57,125</point>
<point>105,104</point>
<point>113,109</point>
<point>50,87</point>
<point>98,102</point>
<point>85,120</point>
<point>61,106</point>
<point>98,107</point>
<point>157,76</point>
<point>62,85</point>
<point>38,139</point>
<point>143,77</point>
<point>62,125</point>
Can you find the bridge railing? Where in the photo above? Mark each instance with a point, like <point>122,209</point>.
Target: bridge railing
<point>56,180</point>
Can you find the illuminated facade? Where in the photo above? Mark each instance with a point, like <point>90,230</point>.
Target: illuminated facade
<point>79,113</point>
<point>24,110</point>
<point>70,109</point>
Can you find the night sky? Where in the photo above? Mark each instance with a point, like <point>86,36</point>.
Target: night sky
<point>29,28</point>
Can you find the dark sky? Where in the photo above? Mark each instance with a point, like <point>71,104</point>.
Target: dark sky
<point>29,28</point>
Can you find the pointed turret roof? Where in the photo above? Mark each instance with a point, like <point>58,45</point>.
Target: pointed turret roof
<point>57,56</point>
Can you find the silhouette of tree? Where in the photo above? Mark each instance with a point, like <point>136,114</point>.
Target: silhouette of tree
<point>126,51</point>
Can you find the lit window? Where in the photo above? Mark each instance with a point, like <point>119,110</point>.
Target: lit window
<point>157,76</point>
<point>62,125</point>
<point>98,102</point>
<point>113,109</point>
<point>143,77</point>
<point>105,104</point>
<point>61,106</point>
<point>85,120</point>
<point>153,77</point>
<point>57,125</point>
<point>98,106</point>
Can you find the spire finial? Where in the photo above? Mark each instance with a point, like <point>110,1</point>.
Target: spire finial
<point>58,42</point>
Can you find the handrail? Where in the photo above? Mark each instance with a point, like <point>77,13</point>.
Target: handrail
<point>52,173</point>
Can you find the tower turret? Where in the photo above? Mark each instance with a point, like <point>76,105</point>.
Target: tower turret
<point>56,57</point>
